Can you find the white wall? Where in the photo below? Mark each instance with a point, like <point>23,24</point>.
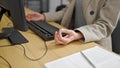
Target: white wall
<point>54,3</point>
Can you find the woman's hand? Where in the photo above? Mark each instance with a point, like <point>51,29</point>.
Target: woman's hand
<point>71,35</point>
<point>35,17</point>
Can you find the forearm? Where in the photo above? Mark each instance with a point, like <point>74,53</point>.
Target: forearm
<point>54,16</point>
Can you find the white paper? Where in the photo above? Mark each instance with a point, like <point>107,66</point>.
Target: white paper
<point>99,57</point>
<point>102,58</point>
<point>73,61</point>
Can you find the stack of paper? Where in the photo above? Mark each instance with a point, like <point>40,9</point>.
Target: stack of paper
<point>95,57</point>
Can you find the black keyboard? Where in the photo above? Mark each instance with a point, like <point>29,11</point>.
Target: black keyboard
<point>43,29</point>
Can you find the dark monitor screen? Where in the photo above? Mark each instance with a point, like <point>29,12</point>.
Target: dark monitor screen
<point>16,12</point>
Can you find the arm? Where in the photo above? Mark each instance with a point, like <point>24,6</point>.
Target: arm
<point>101,28</point>
<point>105,23</point>
<point>55,16</point>
<point>49,16</point>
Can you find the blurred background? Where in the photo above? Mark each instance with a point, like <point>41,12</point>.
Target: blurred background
<point>45,5</point>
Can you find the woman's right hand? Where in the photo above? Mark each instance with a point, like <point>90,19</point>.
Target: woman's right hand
<point>35,17</point>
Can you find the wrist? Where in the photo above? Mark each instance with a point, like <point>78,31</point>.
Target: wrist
<point>43,16</point>
<point>79,35</point>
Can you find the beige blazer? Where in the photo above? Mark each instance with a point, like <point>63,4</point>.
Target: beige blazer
<point>101,17</point>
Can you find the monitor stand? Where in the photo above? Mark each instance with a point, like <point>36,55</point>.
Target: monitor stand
<point>2,11</point>
<point>13,35</point>
<point>6,32</point>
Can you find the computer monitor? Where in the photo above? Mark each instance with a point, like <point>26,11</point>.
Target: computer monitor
<point>15,9</point>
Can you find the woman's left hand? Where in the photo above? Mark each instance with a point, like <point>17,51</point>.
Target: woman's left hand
<point>70,36</point>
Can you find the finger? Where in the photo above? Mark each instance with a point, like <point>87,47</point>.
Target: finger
<point>57,41</point>
<point>35,19</point>
<point>60,36</point>
<point>66,31</point>
<point>28,18</point>
<point>69,37</point>
<point>64,40</point>
<point>30,15</point>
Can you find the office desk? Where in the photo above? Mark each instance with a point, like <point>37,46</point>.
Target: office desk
<point>35,48</point>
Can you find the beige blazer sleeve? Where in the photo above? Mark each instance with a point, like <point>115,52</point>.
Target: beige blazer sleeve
<point>54,16</point>
<point>104,24</point>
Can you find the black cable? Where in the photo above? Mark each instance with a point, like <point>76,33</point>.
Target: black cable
<point>46,49</point>
<point>3,57</point>
<point>6,61</point>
